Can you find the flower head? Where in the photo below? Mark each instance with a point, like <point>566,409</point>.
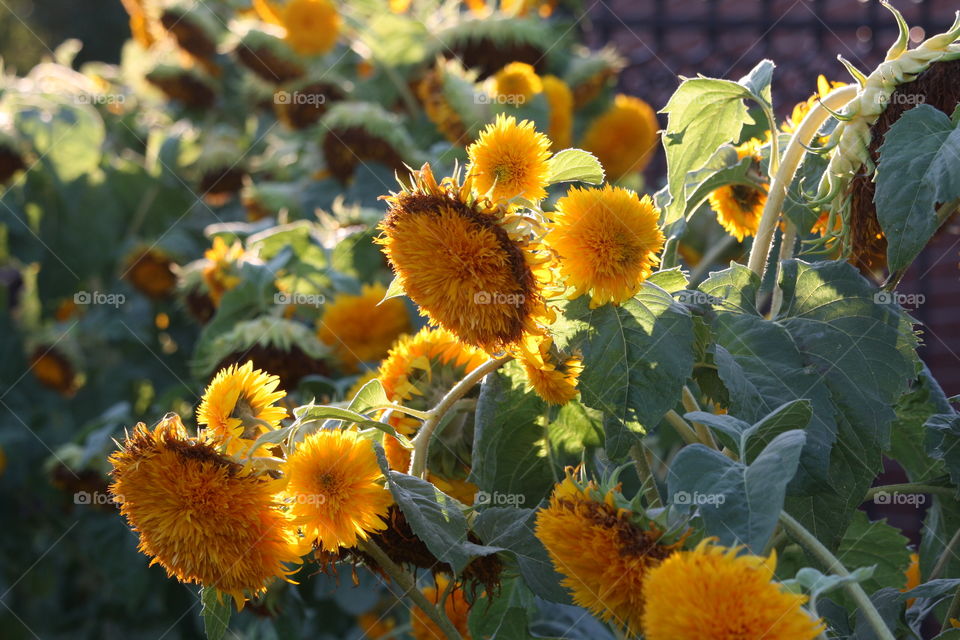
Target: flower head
<point>336,488</point>
<point>560,100</point>
<point>455,258</point>
<point>602,552</point>
<point>220,272</point>
<point>312,25</point>
<point>739,207</point>
<point>151,272</point>
<point>607,241</point>
<point>712,592</point>
<point>551,374</point>
<point>239,405</point>
<point>517,80</point>
<point>201,516</point>
<point>509,160</point>
<point>624,137</point>
<point>359,328</point>
<point>456,608</point>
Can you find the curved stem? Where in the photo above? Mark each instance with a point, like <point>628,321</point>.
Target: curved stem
<point>649,487</point>
<point>786,252</point>
<point>774,138</point>
<point>910,487</point>
<point>422,415</point>
<point>421,442</point>
<point>853,589</point>
<point>704,434</point>
<point>409,586</point>
<point>788,168</point>
<point>681,426</point>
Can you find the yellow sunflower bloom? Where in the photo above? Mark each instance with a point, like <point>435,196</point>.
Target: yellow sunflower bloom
<point>607,241</point>
<point>739,207</point>
<point>456,608</point>
<point>509,160</point>
<point>220,272</point>
<point>312,25</point>
<point>603,554</point>
<point>239,405</point>
<point>560,99</point>
<point>800,110</point>
<point>201,516</point>
<point>624,137</point>
<point>552,376</point>
<point>454,257</point>
<point>517,80</point>
<point>359,330</point>
<point>712,593</point>
<point>336,489</point>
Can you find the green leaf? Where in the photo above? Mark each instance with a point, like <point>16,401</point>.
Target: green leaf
<point>875,544</point>
<point>912,444</point>
<point>369,396</point>
<point>817,584</point>
<point>757,82</point>
<point>215,612</point>
<point>739,504</point>
<point>636,356</point>
<point>573,429</point>
<point>437,519</point>
<point>723,168</point>
<point>572,165</point>
<point>510,461</point>
<point>395,290</point>
<point>703,114</point>
<point>943,442</point>
<point>506,617</point>
<point>317,413</point>
<point>670,280</point>
<point>917,169</point>
<point>513,529</point>
<point>793,415</point>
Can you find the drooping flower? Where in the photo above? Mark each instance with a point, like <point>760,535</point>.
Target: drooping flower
<point>624,137</point>
<point>601,549</point>
<point>54,370</point>
<point>239,405</point>
<point>560,99</point>
<point>607,241</point>
<point>356,133</point>
<point>358,330</point>
<point>552,375</point>
<point>509,160</point>
<point>336,489</point>
<point>220,271</point>
<point>739,207</point>
<point>455,258</point>
<point>518,81</point>
<point>456,608</point>
<point>713,593</point>
<point>201,516</point>
<point>150,270</point>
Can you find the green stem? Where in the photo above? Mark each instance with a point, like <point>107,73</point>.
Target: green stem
<point>639,454</point>
<point>422,415</point>
<point>910,487</point>
<point>787,169</point>
<point>409,586</point>
<point>944,558</point>
<point>421,442</point>
<point>787,245</point>
<point>703,432</point>
<point>774,138</point>
<point>710,257</point>
<point>682,427</point>
<point>853,589</point>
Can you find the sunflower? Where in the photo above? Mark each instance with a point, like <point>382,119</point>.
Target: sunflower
<point>312,25</point>
<point>189,86</point>
<point>560,100</point>
<point>607,241</point>
<point>54,370</point>
<point>456,608</point>
<point>624,137</point>
<point>454,257</point>
<point>602,551</point>
<point>220,271</point>
<point>417,373</point>
<point>739,207</point>
<point>509,160</point>
<point>194,28</point>
<point>204,518</point>
<point>336,489</point>
<point>269,56</point>
<point>712,592</point>
<point>800,110</point>
<point>151,272</point>
<point>551,374</point>
<point>517,80</point>
<point>239,405</point>
<point>359,328</point>
<point>912,575</point>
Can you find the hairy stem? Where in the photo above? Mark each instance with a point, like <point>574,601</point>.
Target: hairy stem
<point>704,434</point>
<point>853,589</point>
<point>409,586</point>
<point>787,170</point>
<point>682,427</point>
<point>421,442</point>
